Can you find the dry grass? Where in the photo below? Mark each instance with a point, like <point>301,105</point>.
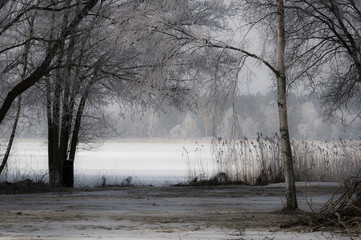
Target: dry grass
<point>342,212</point>
<point>259,161</point>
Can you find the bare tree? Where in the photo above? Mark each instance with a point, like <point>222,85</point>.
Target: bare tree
<point>120,52</point>
<point>44,67</point>
<point>325,48</point>
<point>18,107</point>
<point>280,73</point>
<point>79,72</point>
<point>322,45</point>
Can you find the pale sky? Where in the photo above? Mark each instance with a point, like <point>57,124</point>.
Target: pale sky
<point>261,81</point>
<point>255,77</point>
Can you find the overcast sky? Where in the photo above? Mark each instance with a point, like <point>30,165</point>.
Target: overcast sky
<point>261,81</point>
<point>255,77</point>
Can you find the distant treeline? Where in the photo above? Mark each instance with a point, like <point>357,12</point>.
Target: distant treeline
<point>254,113</point>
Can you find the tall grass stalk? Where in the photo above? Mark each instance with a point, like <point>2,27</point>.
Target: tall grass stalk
<point>258,161</point>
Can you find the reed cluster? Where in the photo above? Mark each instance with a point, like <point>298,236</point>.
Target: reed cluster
<point>258,161</point>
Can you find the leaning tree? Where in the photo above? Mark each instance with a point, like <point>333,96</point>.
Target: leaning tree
<point>275,16</point>
<point>321,42</point>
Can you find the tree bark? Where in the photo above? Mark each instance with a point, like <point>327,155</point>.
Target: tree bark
<point>12,136</point>
<point>291,200</point>
<point>77,124</point>
<point>66,111</point>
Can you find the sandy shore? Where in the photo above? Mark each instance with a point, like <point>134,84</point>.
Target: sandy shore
<point>235,212</point>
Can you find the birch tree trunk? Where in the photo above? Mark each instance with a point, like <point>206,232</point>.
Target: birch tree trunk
<point>291,200</point>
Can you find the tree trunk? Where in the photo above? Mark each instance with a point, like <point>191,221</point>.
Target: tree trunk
<point>54,165</point>
<point>18,109</point>
<point>75,136</point>
<point>291,200</point>
<point>65,113</point>
<point>12,136</point>
<point>53,115</point>
<point>56,104</point>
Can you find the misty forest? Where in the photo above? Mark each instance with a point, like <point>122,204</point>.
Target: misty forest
<point>267,91</point>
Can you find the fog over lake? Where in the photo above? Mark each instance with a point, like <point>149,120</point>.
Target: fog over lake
<point>155,162</point>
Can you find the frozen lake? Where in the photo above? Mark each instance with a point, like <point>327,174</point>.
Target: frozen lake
<point>159,162</point>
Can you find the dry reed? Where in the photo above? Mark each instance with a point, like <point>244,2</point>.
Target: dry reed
<point>259,161</point>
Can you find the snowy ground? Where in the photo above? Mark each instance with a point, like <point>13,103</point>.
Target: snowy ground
<point>235,212</point>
